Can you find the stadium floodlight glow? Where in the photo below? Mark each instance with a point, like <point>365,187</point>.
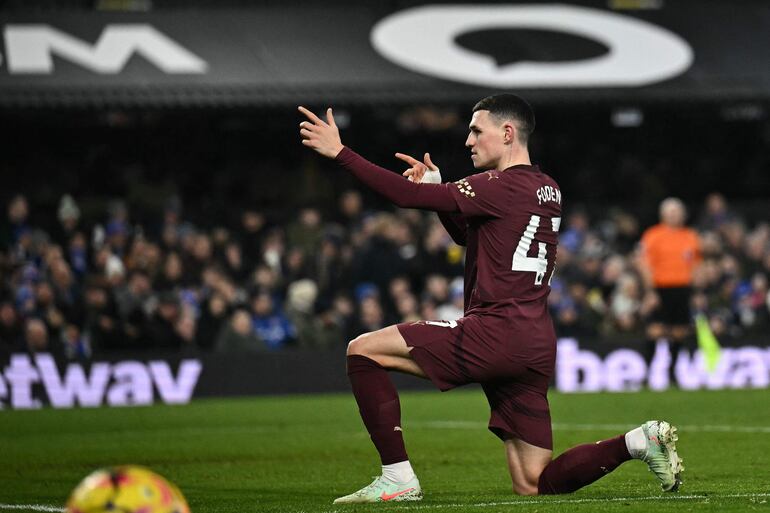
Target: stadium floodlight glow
<point>627,117</point>
<point>423,39</point>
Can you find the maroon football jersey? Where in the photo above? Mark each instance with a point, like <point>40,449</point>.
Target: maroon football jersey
<point>509,221</point>
<point>513,219</point>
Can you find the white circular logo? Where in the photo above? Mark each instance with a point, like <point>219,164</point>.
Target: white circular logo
<point>422,39</point>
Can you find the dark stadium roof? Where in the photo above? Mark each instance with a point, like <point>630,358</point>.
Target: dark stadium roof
<point>272,53</point>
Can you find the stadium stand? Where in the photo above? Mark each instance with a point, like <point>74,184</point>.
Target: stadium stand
<point>319,280</point>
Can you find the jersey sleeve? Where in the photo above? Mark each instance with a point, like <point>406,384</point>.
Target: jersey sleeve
<point>399,190</point>
<point>481,195</point>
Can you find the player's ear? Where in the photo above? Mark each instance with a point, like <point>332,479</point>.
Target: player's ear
<point>509,134</point>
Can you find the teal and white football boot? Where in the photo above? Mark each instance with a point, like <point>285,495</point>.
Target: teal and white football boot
<point>660,454</point>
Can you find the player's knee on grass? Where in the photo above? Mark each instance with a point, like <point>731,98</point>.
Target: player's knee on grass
<point>525,482</point>
<point>525,487</point>
<point>526,463</point>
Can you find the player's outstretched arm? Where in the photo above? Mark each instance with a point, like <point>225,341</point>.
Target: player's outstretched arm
<point>323,137</point>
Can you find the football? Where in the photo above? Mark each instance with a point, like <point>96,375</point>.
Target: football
<point>126,489</point>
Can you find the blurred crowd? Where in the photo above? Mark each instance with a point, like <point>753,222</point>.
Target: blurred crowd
<point>325,276</point>
<point>599,289</point>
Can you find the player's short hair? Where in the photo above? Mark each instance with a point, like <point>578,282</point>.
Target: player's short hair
<point>507,106</point>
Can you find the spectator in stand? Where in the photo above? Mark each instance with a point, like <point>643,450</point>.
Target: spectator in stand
<point>235,264</point>
<point>74,344</point>
<point>18,212</point>
<point>398,287</point>
<point>116,233</point>
<point>371,316</point>
<point>756,247</point>
<point>350,213</point>
<point>270,323</point>
<point>334,323</point>
<point>378,260</point>
<point>573,236</point>
<point>273,251</point>
<point>407,308</point>
<point>37,337</point>
<point>625,305</point>
<point>77,254</point>
<point>306,232</point>
<point>453,309</point>
<point>168,328</point>
<point>213,318</point>
<point>68,214</point>
<point>47,310</point>
<point>756,305</point>
<point>238,336</point>
<point>563,309</point>
<point>437,289</point>
<point>101,324</point>
<point>296,265</point>
<point>300,300</point>
<point>330,265</point>
<point>252,230</point>
<point>135,303</point>
<point>198,257</point>
<point>11,331</point>
<point>185,328</point>
<point>172,274</point>
<point>733,234</point>
<point>438,253</point>
<point>715,213</point>
<point>622,231</point>
<point>102,290</point>
<point>670,253</point>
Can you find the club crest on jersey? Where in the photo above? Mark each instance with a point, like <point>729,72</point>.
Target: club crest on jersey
<point>465,188</point>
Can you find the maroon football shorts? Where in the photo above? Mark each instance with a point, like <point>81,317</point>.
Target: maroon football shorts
<point>455,353</point>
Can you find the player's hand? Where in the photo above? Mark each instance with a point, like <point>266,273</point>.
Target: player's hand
<point>420,172</point>
<point>322,136</point>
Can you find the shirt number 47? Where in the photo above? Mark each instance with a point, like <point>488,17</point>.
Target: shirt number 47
<point>538,264</point>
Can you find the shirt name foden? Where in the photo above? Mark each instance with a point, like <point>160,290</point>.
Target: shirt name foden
<point>548,193</point>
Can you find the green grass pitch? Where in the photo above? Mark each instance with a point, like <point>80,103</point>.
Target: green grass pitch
<point>296,454</point>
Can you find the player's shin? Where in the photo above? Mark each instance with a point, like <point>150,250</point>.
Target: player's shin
<point>582,465</point>
<point>380,410</point>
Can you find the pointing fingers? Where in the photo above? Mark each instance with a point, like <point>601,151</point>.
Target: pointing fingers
<point>409,160</point>
<point>429,162</point>
<point>330,117</point>
<point>312,117</point>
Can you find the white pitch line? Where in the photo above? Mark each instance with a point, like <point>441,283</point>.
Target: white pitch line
<point>574,501</point>
<point>707,428</point>
<point>33,507</point>
<point>54,509</point>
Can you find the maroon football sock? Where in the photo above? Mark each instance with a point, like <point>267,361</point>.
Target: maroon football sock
<point>379,407</point>
<point>582,465</point>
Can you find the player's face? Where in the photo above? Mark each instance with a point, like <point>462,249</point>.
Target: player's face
<point>485,140</point>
